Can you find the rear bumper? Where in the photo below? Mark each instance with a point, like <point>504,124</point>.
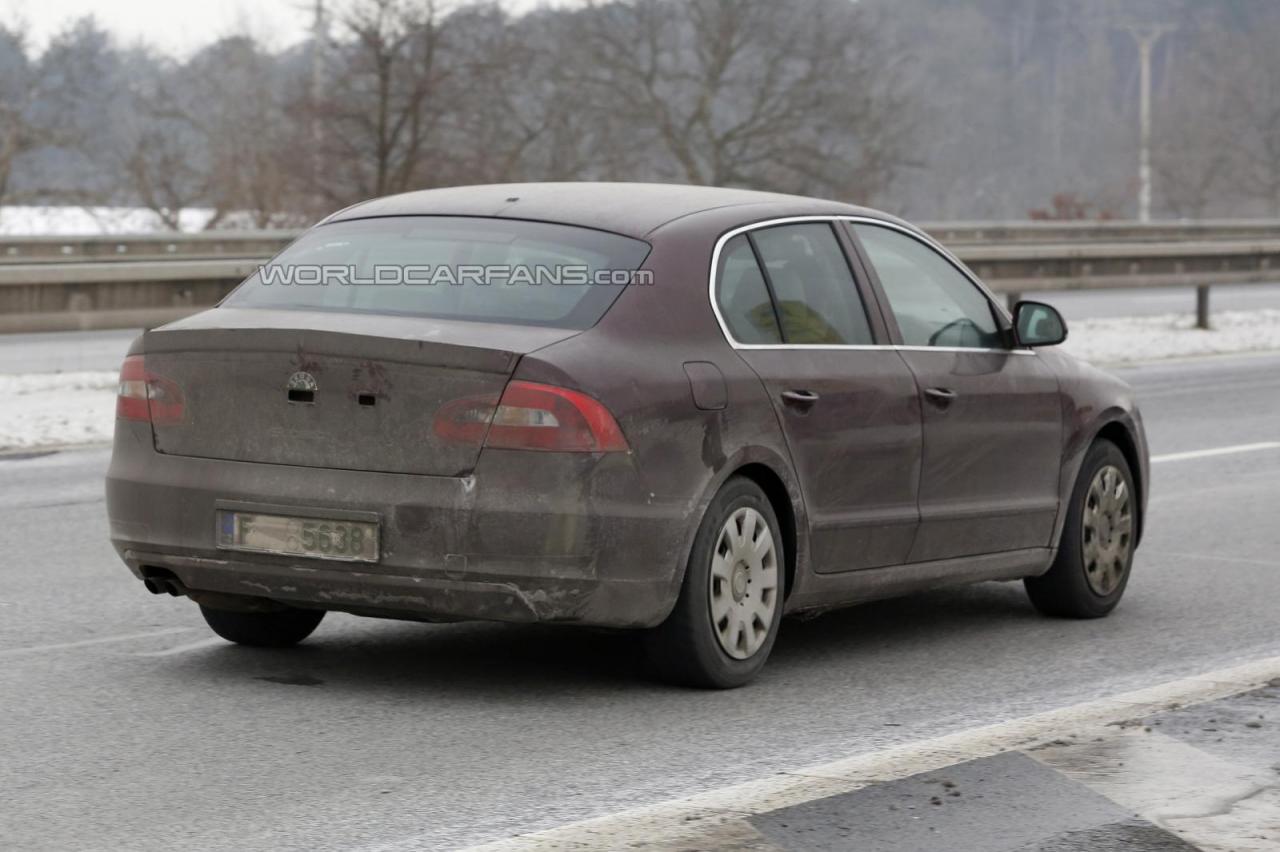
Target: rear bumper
<point>527,537</point>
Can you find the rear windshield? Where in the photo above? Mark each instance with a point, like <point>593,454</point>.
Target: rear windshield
<point>461,268</point>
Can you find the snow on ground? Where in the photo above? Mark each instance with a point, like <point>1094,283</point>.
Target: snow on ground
<point>69,221</point>
<point>16,221</point>
<point>50,409</point>
<point>47,409</point>
<point>1124,340</point>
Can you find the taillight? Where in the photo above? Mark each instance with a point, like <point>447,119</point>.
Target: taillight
<point>464,421</point>
<point>532,416</point>
<point>131,403</point>
<point>146,396</point>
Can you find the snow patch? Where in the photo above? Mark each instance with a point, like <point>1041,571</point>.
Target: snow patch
<point>1124,340</point>
<point>30,221</point>
<point>50,409</point>
<point>72,221</point>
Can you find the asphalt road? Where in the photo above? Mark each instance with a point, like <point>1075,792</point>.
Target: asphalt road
<point>124,726</point>
<point>64,351</point>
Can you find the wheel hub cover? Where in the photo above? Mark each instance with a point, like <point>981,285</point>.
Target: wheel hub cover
<point>1105,529</point>
<point>739,582</point>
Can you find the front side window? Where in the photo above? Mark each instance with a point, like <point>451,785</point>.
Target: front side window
<point>816,297</point>
<point>934,304</point>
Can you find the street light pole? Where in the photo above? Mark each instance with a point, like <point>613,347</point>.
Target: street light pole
<point>1146,39</point>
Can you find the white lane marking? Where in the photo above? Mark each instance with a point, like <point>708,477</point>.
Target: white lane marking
<point>1217,451</point>
<point>696,817</point>
<point>181,649</point>
<point>102,640</point>
<point>1212,557</point>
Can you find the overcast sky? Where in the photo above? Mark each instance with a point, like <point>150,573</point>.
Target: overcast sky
<point>180,26</point>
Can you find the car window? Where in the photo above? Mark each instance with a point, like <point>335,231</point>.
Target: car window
<point>743,297</point>
<point>817,299</point>
<point>457,268</point>
<point>934,304</point>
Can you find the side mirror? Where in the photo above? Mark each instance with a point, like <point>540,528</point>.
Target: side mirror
<point>1038,324</point>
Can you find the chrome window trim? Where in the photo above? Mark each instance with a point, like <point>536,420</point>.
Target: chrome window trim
<point>867,220</point>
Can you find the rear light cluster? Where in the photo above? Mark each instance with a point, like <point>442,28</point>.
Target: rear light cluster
<point>529,416</point>
<point>532,416</point>
<point>147,397</point>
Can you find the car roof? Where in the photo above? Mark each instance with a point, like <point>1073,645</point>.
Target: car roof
<point>632,209</point>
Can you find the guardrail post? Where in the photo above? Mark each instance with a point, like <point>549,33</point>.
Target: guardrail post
<point>1012,298</point>
<point>1202,307</point>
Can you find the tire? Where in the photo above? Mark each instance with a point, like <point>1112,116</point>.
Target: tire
<point>1095,554</point>
<point>275,629</point>
<point>730,607</point>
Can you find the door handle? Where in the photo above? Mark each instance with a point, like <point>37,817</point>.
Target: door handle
<point>801,399</point>
<point>941,397</point>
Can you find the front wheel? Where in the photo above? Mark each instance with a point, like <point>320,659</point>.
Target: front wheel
<point>272,629</point>
<point>726,619</point>
<point>1095,554</point>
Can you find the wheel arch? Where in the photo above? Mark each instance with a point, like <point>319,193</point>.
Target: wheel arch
<point>773,475</point>
<point>1118,433</point>
<point>779,498</point>
<point>1118,426</point>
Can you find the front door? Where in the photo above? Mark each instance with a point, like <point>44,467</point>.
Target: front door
<point>992,412</point>
<point>849,409</point>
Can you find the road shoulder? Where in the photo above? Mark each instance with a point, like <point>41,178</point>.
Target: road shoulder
<point>1146,768</point>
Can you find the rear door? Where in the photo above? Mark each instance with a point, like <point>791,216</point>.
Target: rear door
<point>848,407</point>
<point>992,413</point>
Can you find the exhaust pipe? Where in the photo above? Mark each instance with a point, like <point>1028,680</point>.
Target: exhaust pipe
<point>161,585</point>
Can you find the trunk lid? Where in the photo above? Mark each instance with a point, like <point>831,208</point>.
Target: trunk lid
<point>332,390</point>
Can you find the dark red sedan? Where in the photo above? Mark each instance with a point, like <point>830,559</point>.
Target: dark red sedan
<point>684,411</point>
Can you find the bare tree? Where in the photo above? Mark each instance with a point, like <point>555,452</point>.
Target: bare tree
<point>237,105</point>
<point>212,133</point>
<point>1192,157</point>
<point>389,97</point>
<point>794,96</point>
<point>37,101</point>
<point>158,166</point>
<point>1248,69</point>
<point>516,119</point>
<point>986,108</point>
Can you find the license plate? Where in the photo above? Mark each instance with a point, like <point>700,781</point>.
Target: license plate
<point>321,538</point>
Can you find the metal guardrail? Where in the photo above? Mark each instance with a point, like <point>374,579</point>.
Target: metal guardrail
<point>206,245</point>
<point>118,294</point>
<point>1111,231</point>
<point>50,284</point>
<point>260,244</point>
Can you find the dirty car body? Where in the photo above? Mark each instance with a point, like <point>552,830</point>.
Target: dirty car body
<point>899,450</point>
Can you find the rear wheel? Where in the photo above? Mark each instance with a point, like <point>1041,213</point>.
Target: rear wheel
<point>273,629</point>
<point>1095,554</point>
<point>726,619</point>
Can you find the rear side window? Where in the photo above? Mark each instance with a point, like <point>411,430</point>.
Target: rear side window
<point>743,297</point>
<point>817,299</point>
<point>452,267</point>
